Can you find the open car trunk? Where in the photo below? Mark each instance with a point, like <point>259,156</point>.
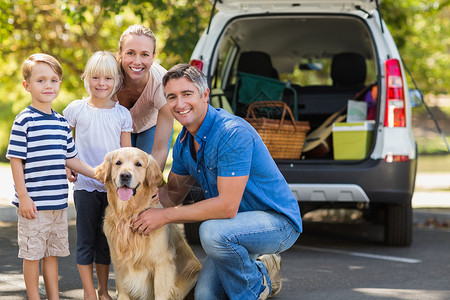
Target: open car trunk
<point>313,64</point>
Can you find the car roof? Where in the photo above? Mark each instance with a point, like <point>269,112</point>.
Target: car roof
<point>284,5</point>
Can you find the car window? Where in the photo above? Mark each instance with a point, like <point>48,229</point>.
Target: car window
<point>317,72</point>
<point>310,72</point>
<point>226,55</point>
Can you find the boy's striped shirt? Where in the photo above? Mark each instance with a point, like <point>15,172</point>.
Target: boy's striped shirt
<point>43,142</point>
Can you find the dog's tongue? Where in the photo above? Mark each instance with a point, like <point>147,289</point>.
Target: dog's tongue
<point>125,193</point>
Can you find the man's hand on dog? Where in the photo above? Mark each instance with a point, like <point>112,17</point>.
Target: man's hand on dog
<point>143,222</point>
<point>148,220</point>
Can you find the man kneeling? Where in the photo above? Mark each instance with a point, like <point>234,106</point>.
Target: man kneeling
<point>249,209</point>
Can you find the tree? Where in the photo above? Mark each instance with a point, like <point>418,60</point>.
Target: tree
<point>72,30</point>
<point>421,30</point>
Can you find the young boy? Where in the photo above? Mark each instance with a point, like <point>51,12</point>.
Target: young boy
<point>40,148</point>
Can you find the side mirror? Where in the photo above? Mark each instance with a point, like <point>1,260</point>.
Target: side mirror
<point>415,97</point>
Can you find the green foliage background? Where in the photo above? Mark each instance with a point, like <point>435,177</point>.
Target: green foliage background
<point>421,30</point>
<point>72,30</point>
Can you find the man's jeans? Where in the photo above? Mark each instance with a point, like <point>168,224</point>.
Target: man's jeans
<point>231,270</point>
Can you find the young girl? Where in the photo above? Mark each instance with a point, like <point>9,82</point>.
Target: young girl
<point>101,125</point>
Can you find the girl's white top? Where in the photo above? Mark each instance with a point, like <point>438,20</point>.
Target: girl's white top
<point>97,132</point>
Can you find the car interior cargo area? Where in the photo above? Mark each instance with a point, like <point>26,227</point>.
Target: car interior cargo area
<point>323,68</point>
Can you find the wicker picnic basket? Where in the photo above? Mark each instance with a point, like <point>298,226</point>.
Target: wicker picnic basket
<point>283,138</point>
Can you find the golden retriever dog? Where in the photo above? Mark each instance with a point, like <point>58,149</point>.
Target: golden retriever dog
<point>160,265</point>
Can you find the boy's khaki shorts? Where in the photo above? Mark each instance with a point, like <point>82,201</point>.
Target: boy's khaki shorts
<point>47,235</point>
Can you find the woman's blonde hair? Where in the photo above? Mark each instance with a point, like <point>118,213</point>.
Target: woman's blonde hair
<point>134,30</point>
<point>102,63</point>
<point>137,30</point>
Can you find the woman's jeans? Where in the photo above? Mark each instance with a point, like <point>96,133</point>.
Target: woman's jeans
<point>231,270</point>
<point>144,140</point>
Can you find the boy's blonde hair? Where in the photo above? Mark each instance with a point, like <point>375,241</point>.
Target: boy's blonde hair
<point>102,63</point>
<point>31,61</point>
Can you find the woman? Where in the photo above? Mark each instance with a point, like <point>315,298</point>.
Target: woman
<point>142,92</point>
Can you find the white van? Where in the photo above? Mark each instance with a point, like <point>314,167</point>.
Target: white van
<point>357,154</point>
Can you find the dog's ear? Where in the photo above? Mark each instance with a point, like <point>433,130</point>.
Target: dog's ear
<point>103,171</point>
<point>154,175</point>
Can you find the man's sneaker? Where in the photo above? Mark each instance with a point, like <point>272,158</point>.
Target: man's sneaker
<point>266,293</point>
<point>272,262</point>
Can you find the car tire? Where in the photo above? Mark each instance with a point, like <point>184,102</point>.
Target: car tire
<point>398,225</point>
<point>191,229</point>
<point>191,232</point>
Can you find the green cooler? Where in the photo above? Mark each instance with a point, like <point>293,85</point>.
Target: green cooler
<point>352,141</point>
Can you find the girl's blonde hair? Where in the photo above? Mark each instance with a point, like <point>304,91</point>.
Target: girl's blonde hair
<point>102,63</point>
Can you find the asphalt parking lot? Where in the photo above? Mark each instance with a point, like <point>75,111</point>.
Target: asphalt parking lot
<point>431,204</point>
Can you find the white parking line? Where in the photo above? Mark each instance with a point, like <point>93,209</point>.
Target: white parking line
<point>11,282</point>
<point>366,255</point>
<point>15,282</point>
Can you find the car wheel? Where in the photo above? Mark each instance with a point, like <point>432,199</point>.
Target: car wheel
<point>191,229</point>
<point>398,225</point>
<point>191,232</point>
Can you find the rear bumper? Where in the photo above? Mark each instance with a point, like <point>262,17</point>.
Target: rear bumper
<point>374,181</point>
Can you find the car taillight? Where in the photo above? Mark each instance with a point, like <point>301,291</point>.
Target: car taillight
<point>197,63</point>
<point>395,98</point>
<point>396,158</point>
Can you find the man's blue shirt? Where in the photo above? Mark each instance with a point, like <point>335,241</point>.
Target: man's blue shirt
<point>229,146</point>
